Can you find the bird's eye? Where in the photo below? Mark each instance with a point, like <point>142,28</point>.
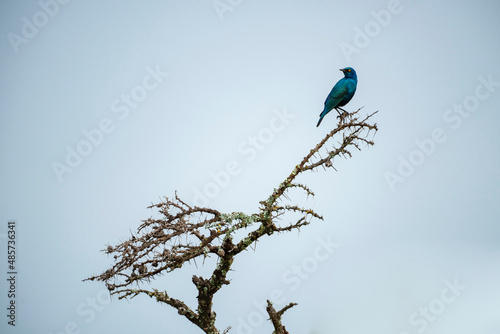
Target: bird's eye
<point>348,70</point>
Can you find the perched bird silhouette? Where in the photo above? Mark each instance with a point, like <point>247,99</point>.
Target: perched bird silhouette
<point>341,93</point>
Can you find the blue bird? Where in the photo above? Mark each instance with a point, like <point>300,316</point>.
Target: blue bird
<point>341,93</point>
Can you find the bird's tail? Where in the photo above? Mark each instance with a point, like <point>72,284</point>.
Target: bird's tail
<point>323,114</point>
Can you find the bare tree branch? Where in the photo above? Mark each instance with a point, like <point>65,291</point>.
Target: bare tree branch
<point>184,233</point>
<point>276,317</point>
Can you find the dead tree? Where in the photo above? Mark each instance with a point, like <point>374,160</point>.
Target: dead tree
<point>184,233</point>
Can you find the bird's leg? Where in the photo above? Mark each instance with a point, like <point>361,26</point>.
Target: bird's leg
<point>341,109</point>
<point>343,115</point>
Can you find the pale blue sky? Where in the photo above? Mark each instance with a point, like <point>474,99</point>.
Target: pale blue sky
<point>178,90</point>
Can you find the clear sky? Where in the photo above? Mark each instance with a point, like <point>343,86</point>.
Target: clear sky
<point>108,106</point>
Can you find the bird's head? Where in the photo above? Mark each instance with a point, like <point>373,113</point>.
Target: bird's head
<point>349,72</point>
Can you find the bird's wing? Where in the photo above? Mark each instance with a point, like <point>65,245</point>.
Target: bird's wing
<point>336,95</point>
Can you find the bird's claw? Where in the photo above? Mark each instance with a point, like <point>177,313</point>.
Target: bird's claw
<point>343,116</point>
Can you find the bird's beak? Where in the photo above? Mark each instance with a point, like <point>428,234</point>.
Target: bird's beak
<point>342,70</point>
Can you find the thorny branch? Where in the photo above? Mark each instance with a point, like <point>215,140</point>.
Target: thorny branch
<point>184,233</point>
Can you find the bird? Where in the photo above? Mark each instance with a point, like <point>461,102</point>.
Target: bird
<point>341,93</point>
